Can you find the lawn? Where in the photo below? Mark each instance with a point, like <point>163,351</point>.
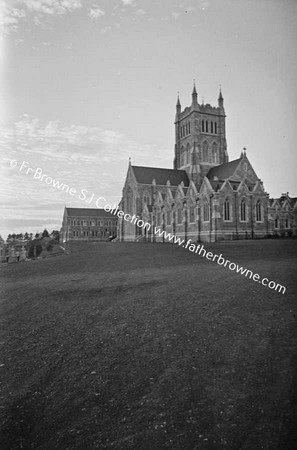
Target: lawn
<point>149,346</point>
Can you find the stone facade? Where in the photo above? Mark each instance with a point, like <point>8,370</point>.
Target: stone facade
<point>85,224</point>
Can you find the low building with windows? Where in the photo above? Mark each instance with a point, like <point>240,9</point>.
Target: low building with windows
<point>205,197</point>
<point>282,215</point>
<point>86,224</point>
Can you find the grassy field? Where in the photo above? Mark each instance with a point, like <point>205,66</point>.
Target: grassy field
<point>148,346</point>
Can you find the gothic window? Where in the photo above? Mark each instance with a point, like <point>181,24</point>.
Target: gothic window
<point>206,211</point>
<point>210,159</point>
<point>129,201</point>
<point>276,222</point>
<point>192,214</point>
<point>205,151</point>
<point>168,218</point>
<point>227,209</point>
<point>216,128</point>
<point>159,218</point>
<point>202,126</point>
<point>243,210</point>
<point>182,154</point>
<point>258,211</point>
<point>188,154</point>
<point>287,222</point>
<point>189,128</point>
<point>211,127</point>
<point>179,216</point>
<point>206,126</point>
<point>214,153</point>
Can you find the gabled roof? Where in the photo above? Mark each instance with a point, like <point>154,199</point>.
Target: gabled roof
<point>145,175</point>
<point>88,212</point>
<point>223,171</point>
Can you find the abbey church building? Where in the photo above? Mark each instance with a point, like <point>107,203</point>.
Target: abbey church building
<point>205,197</point>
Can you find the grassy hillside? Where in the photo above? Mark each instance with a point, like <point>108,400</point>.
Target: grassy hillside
<point>148,346</point>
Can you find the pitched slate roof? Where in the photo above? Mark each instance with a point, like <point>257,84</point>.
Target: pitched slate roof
<point>88,212</point>
<point>223,171</point>
<point>145,175</point>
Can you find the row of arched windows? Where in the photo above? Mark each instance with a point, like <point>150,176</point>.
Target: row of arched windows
<point>227,213</point>
<point>185,130</point>
<point>209,127</point>
<point>210,154</point>
<point>92,223</point>
<point>277,222</point>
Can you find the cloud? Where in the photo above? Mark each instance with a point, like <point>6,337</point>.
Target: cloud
<point>128,2</point>
<point>9,18</point>
<point>80,156</point>
<point>140,12</point>
<point>14,11</point>
<point>51,7</point>
<point>175,15</point>
<point>106,29</point>
<point>95,13</point>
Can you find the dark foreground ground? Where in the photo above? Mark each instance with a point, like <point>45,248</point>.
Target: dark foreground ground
<point>148,346</point>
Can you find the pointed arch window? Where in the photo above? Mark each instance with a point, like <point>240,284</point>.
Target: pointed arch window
<point>179,216</point>
<point>258,211</point>
<point>168,218</point>
<point>130,201</point>
<point>203,127</point>
<point>188,154</point>
<point>243,210</point>
<point>192,214</point>
<point>182,154</point>
<point>214,150</point>
<point>211,127</point>
<point>205,151</point>
<point>206,126</point>
<point>227,210</point>
<point>206,211</point>
<point>287,222</point>
<point>276,222</point>
<point>216,128</point>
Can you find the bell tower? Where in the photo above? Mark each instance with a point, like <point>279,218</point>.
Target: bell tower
<point>200,137</point>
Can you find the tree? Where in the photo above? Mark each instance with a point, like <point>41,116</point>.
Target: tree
<point>45,233</point>
<point>37,236</point>
<point>55,234</point>
<point>26,236</point>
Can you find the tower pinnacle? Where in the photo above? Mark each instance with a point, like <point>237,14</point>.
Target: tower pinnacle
<point>194,93</point>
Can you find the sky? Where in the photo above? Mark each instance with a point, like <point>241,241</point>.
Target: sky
<point>84,85</point>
